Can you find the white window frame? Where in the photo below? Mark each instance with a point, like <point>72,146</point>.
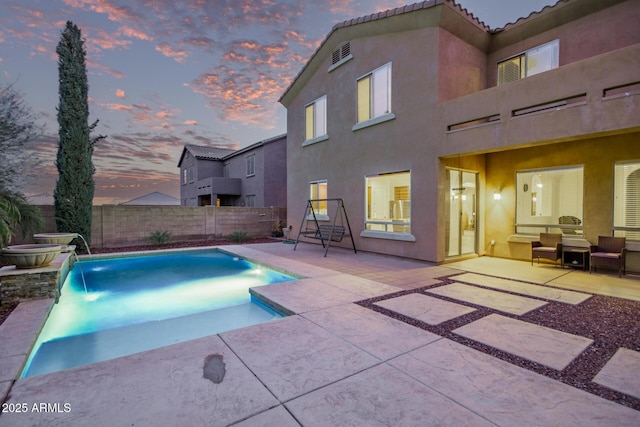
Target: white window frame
<point>626,200</point>
<point>191,173</point>
<point>527,67</point>
<point>184,176</point>
<point>251,165</point>
<point>545,195</point>
<point>373,97</point>
<point>315,192</point>
<point>382,225</point>
<point>315,118</point>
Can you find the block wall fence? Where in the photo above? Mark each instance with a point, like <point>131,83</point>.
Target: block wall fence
<point>116,225</point>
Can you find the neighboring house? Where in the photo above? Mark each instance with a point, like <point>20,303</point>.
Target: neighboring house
<point>255,176</point>
<point>153,199</point>
<point>448,139</point>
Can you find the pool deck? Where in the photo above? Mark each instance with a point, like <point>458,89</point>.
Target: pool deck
<point>334,362</point>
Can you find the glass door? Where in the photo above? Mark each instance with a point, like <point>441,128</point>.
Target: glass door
<point>460,211</point>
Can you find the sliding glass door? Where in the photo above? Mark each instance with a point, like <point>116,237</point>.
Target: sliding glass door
<point>461,208</point>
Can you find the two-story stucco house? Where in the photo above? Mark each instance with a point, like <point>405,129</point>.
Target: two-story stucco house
<point>255,176</point>
<point>446,138</point>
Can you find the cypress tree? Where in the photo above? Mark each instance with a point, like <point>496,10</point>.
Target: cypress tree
<point>73,196</point>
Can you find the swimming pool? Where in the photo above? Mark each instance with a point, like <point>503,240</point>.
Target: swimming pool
<point>119,306</point>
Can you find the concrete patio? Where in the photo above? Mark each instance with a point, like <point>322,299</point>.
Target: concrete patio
<point>333,362</point>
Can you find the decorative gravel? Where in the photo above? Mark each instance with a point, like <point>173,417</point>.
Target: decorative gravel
<point>610,322</point>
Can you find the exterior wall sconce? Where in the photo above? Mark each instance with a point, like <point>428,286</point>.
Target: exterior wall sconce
<point>497,196</point>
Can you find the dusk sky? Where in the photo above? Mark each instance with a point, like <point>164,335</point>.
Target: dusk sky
<point>164,73</point>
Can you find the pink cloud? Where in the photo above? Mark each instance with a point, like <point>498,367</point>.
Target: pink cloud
<point>120,93</point>
<point>131,32</point>
<point>101,67</point>
<point>101,39</point>
<point>143,114</point>
<point>113,12</point>
<point>241,96</point>
<point>167,50</point>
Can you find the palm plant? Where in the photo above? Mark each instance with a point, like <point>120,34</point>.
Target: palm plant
<point>17,214</point>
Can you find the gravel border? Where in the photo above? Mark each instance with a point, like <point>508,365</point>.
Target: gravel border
<point>610,322</point>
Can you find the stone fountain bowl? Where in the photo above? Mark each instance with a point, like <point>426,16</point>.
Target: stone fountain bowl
<point>30,256</point>
<point>54,238</point>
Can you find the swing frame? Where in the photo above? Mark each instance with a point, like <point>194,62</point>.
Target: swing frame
<point>326,233</point>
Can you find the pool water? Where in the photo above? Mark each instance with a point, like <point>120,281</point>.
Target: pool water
<point>115,307</point>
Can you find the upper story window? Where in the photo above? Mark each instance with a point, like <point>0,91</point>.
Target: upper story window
<point>316,119</point>
<point>225,170</point>
<point>184,176</point>
<point>251,164</point>
<point>533,61</point>
<point>191,174</point>
<point>374,94</point>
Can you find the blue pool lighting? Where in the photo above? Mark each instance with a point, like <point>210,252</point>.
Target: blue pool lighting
<point>139,303</point>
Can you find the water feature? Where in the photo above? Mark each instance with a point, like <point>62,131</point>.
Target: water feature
<point>31,255</point>
<point>60,238</point>
<point>86,245</point>
<point>114,307</point>
<point>79,264</point>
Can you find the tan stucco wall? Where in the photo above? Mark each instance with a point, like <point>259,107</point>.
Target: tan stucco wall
<point>439,73</point>
<point>596,155</point>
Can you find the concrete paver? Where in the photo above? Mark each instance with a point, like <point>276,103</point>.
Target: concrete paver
<point>500,301</point>
<point>430,310</point>
<point>380,396</point>
<point>375,333</point>
<point>364,288</point>
<point>552,294</point>
<point>600,283</point>
<point>304,295</point>
<point>277,416</point>
<point>159,387</point>
<point>546,346</point>
<point>622,373</point>
<point>506,394</point>
<point>293,356</point>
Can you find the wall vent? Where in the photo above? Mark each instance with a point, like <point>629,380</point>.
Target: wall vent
<point>341,53</point>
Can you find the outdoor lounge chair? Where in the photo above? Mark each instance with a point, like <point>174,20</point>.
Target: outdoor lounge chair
<point>609,252</point>
<point>549,246</point>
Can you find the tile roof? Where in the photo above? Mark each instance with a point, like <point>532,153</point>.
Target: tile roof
<point>408,9</point>
<point>377,16</point>
<point>210,153</point>
<point>532,15</point>
<point>403,9</point>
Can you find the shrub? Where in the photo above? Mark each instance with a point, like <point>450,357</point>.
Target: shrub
<point>160,237</point>
<point>238,236</point>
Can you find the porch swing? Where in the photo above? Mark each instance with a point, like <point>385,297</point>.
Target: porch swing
<point>326,233</point>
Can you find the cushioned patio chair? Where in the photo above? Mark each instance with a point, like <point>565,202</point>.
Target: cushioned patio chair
<point>549,246</point>
<point>609,252</point>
